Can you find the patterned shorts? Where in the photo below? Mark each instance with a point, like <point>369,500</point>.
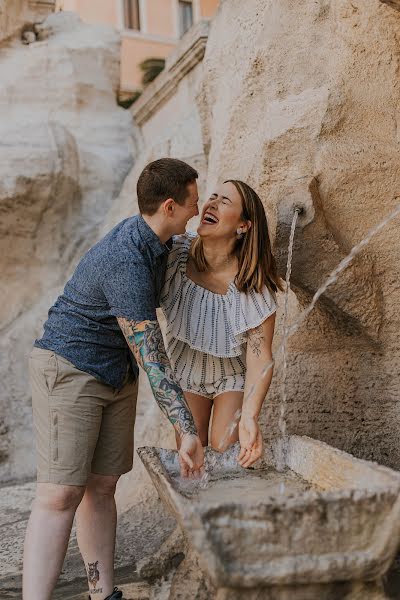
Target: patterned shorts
<point>205,374</point>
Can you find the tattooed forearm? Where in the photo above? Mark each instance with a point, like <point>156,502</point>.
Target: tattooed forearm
<point>146,342</point>
<point>255,339</point>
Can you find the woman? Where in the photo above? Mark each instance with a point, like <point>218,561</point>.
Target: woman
<point>219,303</point>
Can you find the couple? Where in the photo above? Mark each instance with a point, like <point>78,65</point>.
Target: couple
<point>217,292</point>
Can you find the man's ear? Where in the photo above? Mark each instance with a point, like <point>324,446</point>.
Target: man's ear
<point>169,207</point>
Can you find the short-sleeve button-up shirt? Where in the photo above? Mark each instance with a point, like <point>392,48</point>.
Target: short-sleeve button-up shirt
<point>120,276</point>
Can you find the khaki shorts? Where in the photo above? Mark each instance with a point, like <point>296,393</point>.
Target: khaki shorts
<point>81,425</point>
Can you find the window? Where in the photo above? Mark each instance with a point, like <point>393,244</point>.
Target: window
<point>185,16</point>
<point>131,14</point>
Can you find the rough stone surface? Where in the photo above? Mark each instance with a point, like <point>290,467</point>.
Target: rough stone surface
<point>306,112</point>
<point>16,16</point>
<point>65,150</point>
<point>281,534</point>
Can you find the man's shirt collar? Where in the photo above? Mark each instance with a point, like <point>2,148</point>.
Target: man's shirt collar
<point>152,239</point>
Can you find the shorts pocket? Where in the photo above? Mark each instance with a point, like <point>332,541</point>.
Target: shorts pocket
<point>51,373</point>
<point>54,434</point>
<point>45,362</point>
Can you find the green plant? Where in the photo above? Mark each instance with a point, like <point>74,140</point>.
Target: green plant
<point>127,102</point>
<point>151,67</point>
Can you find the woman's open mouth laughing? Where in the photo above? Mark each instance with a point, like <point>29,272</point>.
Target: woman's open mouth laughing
<point>209,219</point>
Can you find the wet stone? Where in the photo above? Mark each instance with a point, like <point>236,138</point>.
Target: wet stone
<point>246,487</point>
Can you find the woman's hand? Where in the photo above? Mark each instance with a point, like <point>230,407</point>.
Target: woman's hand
<point>191,456</point>
<point>251,444</point>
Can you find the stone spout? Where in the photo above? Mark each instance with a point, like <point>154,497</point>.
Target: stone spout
<point>393,3</point>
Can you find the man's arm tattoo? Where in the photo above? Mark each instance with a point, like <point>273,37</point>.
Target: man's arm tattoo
<point>255,339</point>
<point>146,342</point>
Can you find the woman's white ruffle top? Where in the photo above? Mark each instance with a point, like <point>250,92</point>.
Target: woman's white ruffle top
<point>212,323</point>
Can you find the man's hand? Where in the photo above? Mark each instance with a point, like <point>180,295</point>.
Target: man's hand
<point>191,456</point>
<point>251,444</point>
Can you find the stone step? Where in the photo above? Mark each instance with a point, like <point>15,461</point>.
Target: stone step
<point>132,591</point>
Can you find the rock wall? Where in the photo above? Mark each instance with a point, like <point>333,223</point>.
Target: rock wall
<point>16,15</point>
<point>301,100</point>
<point>65,150</point>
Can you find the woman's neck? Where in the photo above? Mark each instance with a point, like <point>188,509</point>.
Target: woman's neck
<point>219,255</point>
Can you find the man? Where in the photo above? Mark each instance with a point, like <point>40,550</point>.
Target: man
<point>84,373</point>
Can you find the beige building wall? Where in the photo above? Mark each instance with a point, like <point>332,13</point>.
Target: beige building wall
<point>100,11</point>
<point>208,8</point>
<point>160,17</point>
<point>159,29</point>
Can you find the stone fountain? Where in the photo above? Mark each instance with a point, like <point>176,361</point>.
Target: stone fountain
<point>326,527</point>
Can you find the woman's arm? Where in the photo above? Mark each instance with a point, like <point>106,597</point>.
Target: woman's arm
<point>258,355</point>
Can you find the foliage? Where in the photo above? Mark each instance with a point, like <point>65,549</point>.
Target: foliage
<point>127,102</point>
<point>151,67</point>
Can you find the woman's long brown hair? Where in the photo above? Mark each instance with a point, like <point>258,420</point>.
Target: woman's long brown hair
<point>257,266</point>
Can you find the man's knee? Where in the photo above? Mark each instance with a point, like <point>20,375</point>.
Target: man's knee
<point>102,485</point>
<point>58,497</point>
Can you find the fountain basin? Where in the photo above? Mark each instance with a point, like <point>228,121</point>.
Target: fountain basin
<point>328,517</point>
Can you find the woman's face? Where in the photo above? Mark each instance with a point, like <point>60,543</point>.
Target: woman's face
<point>221,214</point>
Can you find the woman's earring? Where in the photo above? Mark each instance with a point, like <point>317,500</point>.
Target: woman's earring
<point>239,233</point>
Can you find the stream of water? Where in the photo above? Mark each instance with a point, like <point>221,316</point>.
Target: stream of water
<point>281,459</point>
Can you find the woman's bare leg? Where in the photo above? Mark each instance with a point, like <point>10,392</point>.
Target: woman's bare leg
<point>225,406</point>
<point>200,407</point>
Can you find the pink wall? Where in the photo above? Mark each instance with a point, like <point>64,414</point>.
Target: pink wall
<point>98,11</point>
<point>161,17</point>
<point>208,7</point>
<point>133,52</point>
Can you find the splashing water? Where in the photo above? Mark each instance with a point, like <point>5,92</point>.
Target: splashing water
<point>210,461</point>
<point>211,457</point>
<point>288,331</point>
<point>230,429</point>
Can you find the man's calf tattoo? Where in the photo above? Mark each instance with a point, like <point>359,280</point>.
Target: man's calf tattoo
<point>93,575</point>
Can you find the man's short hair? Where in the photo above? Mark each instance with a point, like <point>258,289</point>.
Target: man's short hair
<point>162,179</point>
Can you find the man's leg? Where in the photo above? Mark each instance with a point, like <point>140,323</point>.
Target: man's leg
<point>47,538</point>
<point>67,409</point>
<point>97,515</point>
<point>96,520</point>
